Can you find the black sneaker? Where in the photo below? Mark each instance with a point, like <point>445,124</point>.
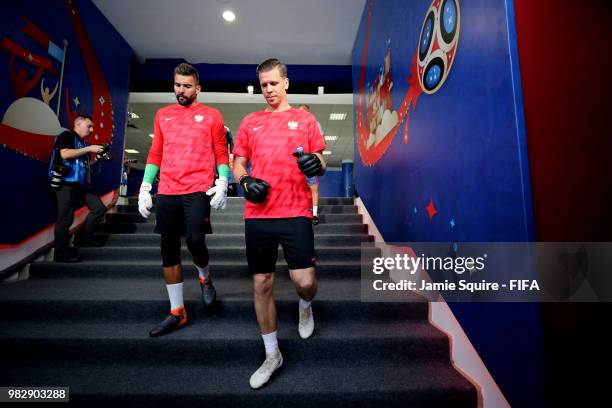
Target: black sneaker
<point>209,293</point>
<point>67,255</point>
<point>171,323</point>
<point>315,220</point>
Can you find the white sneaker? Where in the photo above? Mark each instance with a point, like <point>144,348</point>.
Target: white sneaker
<point>306,324</point>
<point>262,375</point>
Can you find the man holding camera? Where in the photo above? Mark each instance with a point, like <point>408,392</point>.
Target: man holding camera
<point>278,208</point>
<point>71,178</point>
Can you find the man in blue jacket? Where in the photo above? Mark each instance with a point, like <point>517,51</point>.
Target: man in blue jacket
<point>71,158</point>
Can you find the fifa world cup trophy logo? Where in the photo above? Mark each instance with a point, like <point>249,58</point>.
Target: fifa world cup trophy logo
<point>438,43</point>
<point>378,118</point>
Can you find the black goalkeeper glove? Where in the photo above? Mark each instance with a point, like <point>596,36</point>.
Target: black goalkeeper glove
<point>255,190</point>
<point>309,164</point>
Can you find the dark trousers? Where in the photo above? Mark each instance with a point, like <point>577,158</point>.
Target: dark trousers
<point>69,199</point>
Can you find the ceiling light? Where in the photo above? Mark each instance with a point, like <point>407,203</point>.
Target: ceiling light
<point>327,152</point>
<point>133,151</point>
<point>229,16</point>
<point>331,138</point>
<point>337,116</point>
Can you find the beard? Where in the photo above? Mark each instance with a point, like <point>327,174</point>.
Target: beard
<point>184,100</point>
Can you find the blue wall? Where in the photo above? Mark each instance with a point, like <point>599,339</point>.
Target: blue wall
<point>454,167</point>
<point>88,75</point>
<point>331,184</point>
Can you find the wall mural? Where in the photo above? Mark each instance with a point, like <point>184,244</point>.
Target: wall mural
<point>30,125</point>
<point>441,153</point>
<point>58,58</point>
<point>430,66</point>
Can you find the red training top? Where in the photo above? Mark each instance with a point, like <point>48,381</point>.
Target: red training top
<point>186,143</point>
<point>268,140</point>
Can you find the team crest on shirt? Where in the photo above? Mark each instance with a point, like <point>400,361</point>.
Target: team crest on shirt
<point>293,125</point>
<point>198,118</point>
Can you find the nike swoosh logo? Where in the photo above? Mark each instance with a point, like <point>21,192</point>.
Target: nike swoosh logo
<point>258,127</point>
<point>168,119</point>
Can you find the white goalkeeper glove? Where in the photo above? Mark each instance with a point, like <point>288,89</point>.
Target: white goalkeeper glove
<point>145,202</point>
<point>219,200</point>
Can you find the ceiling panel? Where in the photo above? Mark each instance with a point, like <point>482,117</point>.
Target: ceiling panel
<point>193,29</point>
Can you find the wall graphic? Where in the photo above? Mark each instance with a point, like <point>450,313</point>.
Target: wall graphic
<point>377,119</point>
<point>59,59</point>
<point>442,152</point>
<point>437,125</point>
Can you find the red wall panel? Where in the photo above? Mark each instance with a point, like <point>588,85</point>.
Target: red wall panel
<point>565,63</point>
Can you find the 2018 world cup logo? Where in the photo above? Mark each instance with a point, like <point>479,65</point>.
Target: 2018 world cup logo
<point>437,44</point>
<point>378,116</point>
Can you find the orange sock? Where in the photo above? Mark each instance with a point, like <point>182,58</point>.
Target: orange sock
<point>180,311</point>
<point>203,273</point>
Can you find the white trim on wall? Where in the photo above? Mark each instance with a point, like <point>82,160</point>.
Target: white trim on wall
<point>13,254</point>
<point>464,356</point>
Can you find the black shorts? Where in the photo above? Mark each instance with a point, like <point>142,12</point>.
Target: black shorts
<point>177,214</point>
<point>263,236</point>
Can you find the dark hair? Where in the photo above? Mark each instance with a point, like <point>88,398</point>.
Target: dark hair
<point>186,69</point>
<point>82,117</point>
<point>270,64</point>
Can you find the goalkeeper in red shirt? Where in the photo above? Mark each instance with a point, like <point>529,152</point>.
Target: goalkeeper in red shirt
<point>278,209</point>
<point>189,139</point>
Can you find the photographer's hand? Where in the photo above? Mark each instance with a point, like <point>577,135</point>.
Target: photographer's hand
<point>67,154</point>
<point>96,149</point>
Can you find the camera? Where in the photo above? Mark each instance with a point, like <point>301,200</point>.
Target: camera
<point>106,154</point>
<point>58,172</point>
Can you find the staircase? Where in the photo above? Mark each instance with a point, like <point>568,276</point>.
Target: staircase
<point>86,326</point>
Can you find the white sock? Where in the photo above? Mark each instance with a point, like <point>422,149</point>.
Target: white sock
<point>304,304</point>
<point>175,293</point>
<point>204,272</point>
<point>270,342</point>
<point>315,210</point>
